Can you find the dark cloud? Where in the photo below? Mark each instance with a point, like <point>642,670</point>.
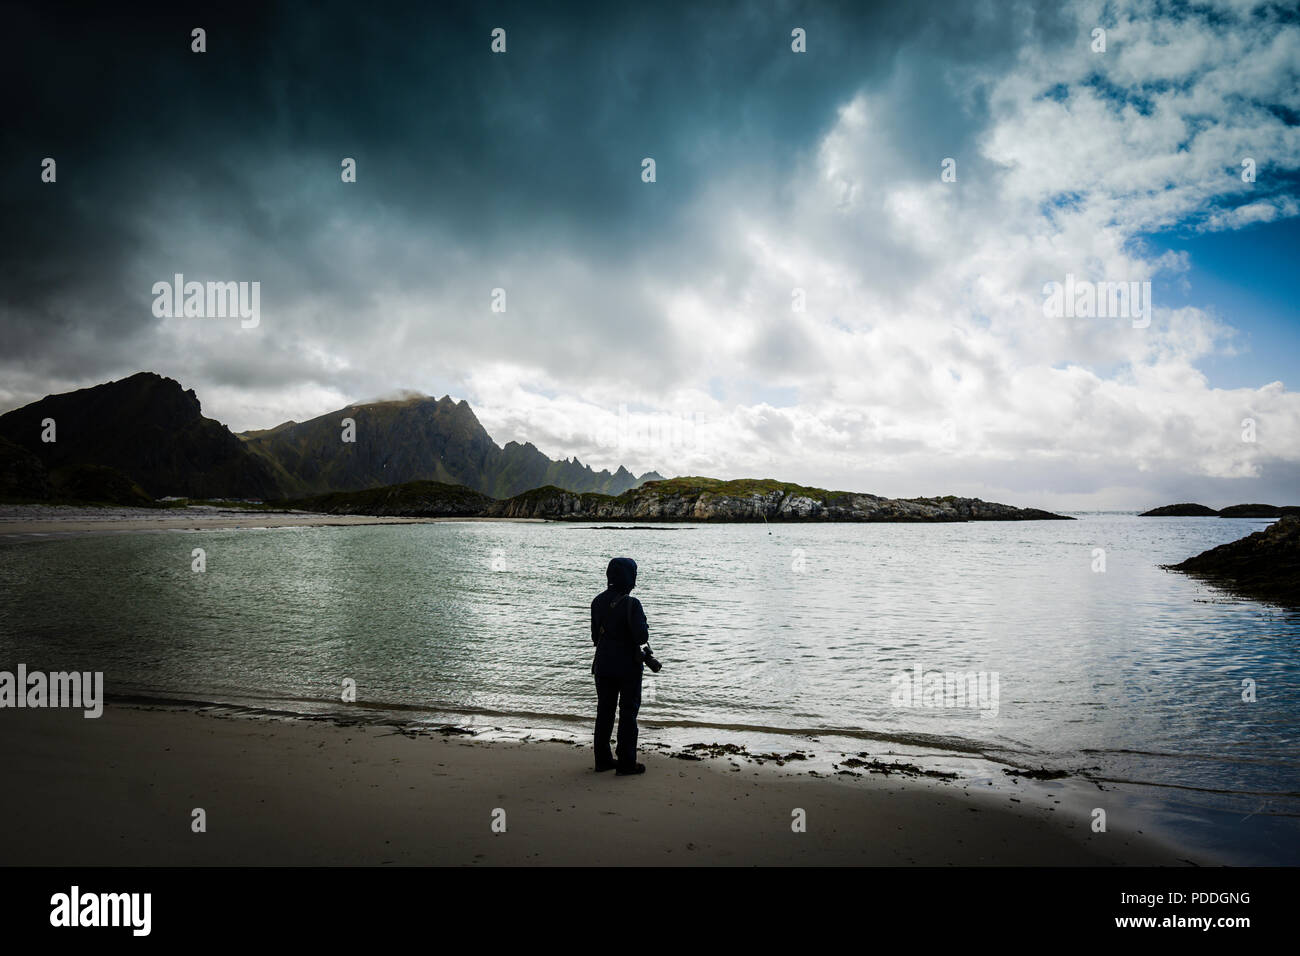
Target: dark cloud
<point>171,161</point>
<point>523,171</point>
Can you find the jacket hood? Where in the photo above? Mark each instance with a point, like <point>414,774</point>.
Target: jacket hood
<point>621,574</point>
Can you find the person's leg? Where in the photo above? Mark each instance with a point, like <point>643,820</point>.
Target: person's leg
<point>628,705</point>
<point>606,698</point>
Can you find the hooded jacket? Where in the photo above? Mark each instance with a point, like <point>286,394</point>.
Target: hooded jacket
<point>618,624</point>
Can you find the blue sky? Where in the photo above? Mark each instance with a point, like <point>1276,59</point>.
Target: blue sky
<point>1251,278</point>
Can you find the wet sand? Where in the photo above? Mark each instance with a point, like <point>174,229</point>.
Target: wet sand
<point>122,789</point>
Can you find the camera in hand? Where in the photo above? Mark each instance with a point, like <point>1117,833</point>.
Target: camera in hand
<point>652,662</point>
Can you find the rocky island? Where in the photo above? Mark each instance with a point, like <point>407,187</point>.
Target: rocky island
<point>1185,510</point>
<point>1192,510</point>
<point>1258,511</point>
<point>1264,566</point>
<point>675,499</point>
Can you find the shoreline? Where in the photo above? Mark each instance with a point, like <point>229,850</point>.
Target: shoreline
<point>121,790</point>
<point>1206,811</point>
<point>35,521</point>
<point>827,753</point>
<point>43,521</point>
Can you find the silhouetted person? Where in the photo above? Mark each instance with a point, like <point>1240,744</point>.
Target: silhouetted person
<point>618,629</point>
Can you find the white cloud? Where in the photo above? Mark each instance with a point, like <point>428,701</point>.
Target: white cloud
<point>925,344</point>
<point>923,363</point>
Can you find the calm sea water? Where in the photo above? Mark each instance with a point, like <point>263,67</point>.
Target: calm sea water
<point>1132,676</point>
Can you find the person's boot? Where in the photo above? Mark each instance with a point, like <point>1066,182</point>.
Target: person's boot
<point>603,765</point>
<point>630,771</point>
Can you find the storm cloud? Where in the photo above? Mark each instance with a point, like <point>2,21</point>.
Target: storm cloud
<point>651,324</point>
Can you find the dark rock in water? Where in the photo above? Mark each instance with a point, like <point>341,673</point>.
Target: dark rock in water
<point>21,473</point>
<point>1264,566</point>
<point>1251,511</point>
<point>1185,510</point>
<point>886,768</point>
<point>633,527</point>
<point>1042,773</point>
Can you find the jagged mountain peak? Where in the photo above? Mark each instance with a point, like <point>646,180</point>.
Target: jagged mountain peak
<point>151,429</point>
<point>417,439</point>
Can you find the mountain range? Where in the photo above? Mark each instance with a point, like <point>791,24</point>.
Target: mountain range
<point>145,436</point>
<point>417,439</point>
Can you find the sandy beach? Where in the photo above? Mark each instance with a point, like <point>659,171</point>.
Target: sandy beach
<point>121,790</point>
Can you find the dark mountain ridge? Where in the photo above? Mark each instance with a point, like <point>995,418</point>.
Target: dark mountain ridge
<point>149,429</point>
<point>146,430</point>
<point>417,439</point>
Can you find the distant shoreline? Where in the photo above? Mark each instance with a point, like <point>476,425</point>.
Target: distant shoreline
<point>49,520</point>
<point>60,520</point>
